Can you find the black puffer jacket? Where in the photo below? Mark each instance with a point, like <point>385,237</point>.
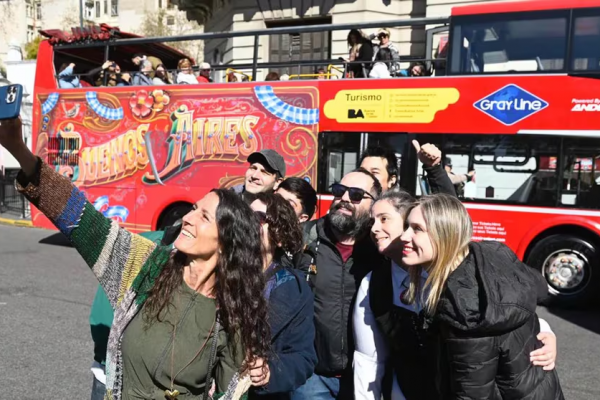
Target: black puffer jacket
<point>488,327</point>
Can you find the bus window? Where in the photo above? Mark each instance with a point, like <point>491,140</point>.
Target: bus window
<point>340,153</point>
<point>586,41</point>
<point>524,42</point>
<point>511,169</point>
<point>581,174</point>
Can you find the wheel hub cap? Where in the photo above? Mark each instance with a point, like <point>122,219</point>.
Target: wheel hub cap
<point>565,269</point>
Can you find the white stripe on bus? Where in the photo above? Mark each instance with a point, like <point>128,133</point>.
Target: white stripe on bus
<point>584,133</point>
<point>520,209</point>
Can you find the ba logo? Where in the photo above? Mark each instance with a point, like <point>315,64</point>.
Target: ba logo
<point>353,114</point>
<point>510,104</point>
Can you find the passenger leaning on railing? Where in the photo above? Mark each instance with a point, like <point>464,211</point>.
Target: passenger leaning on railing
<point>66,77</point>
<point>415,69</point>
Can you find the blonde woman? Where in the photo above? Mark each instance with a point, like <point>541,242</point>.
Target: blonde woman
<point>480,301</point>
<point>186,73</point>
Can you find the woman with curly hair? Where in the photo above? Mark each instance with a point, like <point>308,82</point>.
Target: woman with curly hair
<point>291,308</point>
<point>182,316</point>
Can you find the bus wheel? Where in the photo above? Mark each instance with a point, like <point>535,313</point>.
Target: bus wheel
<point>173,214</point>
<point>568,262</point>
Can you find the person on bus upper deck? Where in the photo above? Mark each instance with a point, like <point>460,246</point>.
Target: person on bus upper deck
<point>382,66</point>
<point>139,57</point>
<point>144,78</point>
<point>66,77</point>
<point>360,54</point>
<point>272,76</point>
<point>161,76</point>
<point>385,43</point>
<point>415,69</point>
<point>186,74</point>
<point>204,76</point>
<point>264,174</point>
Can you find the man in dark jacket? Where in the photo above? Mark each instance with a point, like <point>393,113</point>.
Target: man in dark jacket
<point>336,262</point>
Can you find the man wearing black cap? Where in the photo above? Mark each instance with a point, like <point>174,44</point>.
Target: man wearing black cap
<point>265,173</point>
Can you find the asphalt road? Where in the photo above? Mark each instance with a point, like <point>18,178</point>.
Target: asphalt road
<point>45,345</point>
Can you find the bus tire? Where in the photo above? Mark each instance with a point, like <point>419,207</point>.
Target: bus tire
<point>172,214</point>
<point>570,265</point>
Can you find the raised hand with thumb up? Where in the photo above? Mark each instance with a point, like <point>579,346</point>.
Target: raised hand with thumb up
<point>428,154</point>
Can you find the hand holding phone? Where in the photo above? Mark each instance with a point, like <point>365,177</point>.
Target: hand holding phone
<point>11,138</point>
<point>10,101</point>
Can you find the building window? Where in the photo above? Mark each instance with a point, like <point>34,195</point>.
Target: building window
<point>114,8</point>
<point>98,9</point>
<point>105,7</point>
<point>30,33</point>
<point>38,11</point>
<point>170,20</point>
<point>170,5</point>
<point>28,11</point>
<point>311,46</point>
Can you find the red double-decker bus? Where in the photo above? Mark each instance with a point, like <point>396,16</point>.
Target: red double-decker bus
<point>514,97</point>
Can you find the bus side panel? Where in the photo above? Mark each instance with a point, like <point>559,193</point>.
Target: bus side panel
<point>137,151</point>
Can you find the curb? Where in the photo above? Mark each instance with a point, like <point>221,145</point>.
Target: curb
<point>16,222</point>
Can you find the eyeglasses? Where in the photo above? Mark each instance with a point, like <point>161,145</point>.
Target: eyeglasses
<point>262,216</point>
<point>355,194</point>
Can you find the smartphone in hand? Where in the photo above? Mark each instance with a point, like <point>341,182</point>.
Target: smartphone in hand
<point>10,101</point>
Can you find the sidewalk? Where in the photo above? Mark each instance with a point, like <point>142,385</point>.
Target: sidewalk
<point>10,217</point>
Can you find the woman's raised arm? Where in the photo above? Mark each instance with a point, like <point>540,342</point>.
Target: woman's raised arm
<point>114,254</point>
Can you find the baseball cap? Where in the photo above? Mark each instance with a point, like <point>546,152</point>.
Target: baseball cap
<point>269,158</point>
<point>448,161</point>
<point>204,65</point>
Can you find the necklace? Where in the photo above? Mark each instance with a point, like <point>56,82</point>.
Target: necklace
<point>172,394</point>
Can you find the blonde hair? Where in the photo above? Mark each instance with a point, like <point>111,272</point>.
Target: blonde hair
<point>450,229</point>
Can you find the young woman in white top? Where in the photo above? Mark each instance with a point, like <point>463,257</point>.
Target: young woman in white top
<point>186,74</point>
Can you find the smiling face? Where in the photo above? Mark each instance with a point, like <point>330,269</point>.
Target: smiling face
<point>418,247</point>
<point>378,167</point>
<point>199,237</point>
<point>388,226</point>
<point>349,217</point>
<point>258,179</point>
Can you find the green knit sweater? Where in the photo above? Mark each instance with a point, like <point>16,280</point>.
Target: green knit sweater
<point>125,264</point>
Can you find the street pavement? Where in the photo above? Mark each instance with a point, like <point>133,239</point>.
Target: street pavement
<point>46,351</point>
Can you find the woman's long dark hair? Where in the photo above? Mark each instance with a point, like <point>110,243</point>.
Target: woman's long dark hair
<point>284,229</point>
<point>239,281</point>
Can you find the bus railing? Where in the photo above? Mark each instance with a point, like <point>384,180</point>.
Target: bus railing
<point>256,34</point>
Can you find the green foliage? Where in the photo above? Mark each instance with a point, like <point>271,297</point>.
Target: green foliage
<point>31,48</point>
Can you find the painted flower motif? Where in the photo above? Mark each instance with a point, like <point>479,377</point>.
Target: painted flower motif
<point>161,99</point>
<point>141,104</point>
